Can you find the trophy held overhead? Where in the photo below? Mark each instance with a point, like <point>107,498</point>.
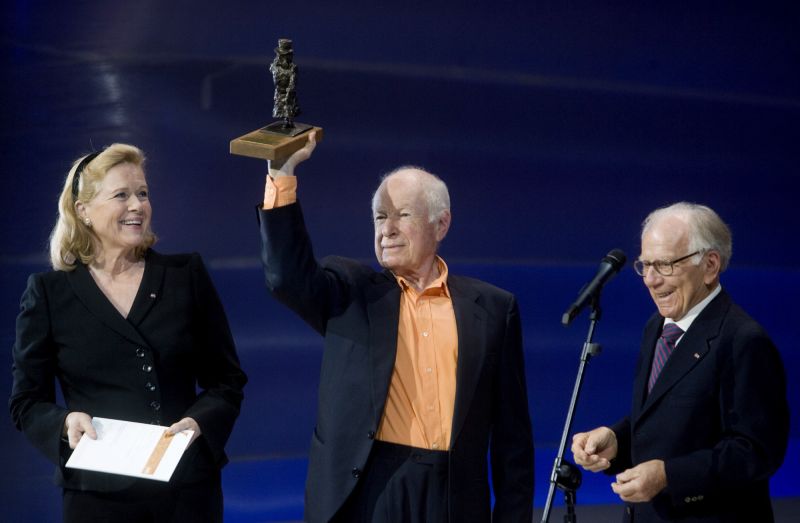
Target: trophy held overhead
<point>283,137</point>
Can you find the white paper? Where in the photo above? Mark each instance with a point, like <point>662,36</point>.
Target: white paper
<point>126,447</point>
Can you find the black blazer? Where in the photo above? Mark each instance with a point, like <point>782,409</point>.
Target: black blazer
<point>145,368</point>
<point>717,416</point>
<point>357,309</point>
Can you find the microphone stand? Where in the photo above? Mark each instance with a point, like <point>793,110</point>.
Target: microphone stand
<point>565,475</point>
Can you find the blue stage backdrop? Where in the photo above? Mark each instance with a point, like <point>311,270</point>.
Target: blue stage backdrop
<point>557,128</point>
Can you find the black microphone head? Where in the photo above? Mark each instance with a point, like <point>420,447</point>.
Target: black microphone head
<point>616,258</point>
<point>609,266</point>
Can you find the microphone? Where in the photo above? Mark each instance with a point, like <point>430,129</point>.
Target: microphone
<point>609,266</point>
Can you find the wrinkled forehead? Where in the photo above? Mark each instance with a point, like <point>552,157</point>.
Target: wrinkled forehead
<point>664,238</point>
<point>402,190</point>
<point>123,174</point>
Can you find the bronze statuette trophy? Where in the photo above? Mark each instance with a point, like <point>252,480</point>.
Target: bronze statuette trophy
<point>278,140</point>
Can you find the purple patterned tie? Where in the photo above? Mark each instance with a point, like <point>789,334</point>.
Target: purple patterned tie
<point>664,347</point>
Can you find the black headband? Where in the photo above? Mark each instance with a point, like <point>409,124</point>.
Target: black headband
<point>81,166</point>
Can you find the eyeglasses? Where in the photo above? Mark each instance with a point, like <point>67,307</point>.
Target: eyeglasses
<point>663,267</point>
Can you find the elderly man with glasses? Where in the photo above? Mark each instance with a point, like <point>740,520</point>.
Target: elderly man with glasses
<point>709,420</point>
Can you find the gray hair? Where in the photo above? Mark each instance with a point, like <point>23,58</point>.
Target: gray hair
<point>437,197</point>
<point>707,231</point>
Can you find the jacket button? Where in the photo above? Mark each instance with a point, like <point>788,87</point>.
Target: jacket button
<point>147,368</point>
<point>140,352</point>
<point>149,386</point>
<point>371,434</point>
<point>687,499</point>
<point>156,405</point>
<point>356,472</point>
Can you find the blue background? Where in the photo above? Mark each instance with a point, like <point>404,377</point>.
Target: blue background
<point>557,126</point>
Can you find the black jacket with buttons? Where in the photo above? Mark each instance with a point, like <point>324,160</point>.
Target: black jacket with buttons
<point>717,416</point>
<point>145,368</point>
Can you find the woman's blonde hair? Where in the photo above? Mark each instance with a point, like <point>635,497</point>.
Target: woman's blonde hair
<point>72,240</point>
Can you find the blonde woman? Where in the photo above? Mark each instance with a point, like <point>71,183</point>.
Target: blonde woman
<point>130,334</point>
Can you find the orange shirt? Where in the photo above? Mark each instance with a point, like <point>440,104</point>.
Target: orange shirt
<point>422,393</point>
<point>419,406</point>
<point>280,191</point>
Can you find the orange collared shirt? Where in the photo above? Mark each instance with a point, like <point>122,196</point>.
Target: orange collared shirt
<point>421,400</point>
<point>422,392</point>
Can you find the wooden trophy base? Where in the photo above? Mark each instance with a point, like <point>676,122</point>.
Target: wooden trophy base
<point>274,141</point>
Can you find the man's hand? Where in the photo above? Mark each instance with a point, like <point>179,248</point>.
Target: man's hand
<point>595,449</point>
<point>186,424</point>
<point>642,482</point>
<point>285,167</point>
<point>76,424</point>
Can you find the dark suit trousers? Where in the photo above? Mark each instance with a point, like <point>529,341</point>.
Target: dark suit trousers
<point>400,485</point>
<point>147,501</point>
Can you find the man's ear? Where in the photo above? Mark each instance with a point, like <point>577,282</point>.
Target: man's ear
<point>711,267</point>
<point>443,225</point>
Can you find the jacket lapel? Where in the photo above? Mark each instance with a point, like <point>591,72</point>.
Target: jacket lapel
<point>651,333</point>
<point>98,304</point>
<point>690,350</point>
<point>471,327</point>
<point>149,289</point>
<point>383,311</point>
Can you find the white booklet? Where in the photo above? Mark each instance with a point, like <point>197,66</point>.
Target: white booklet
<point>131,449</point>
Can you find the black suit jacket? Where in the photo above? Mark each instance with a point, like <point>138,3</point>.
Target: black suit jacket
<point>717,416</point>
<point>356,309</point>
<point>145,368</point>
